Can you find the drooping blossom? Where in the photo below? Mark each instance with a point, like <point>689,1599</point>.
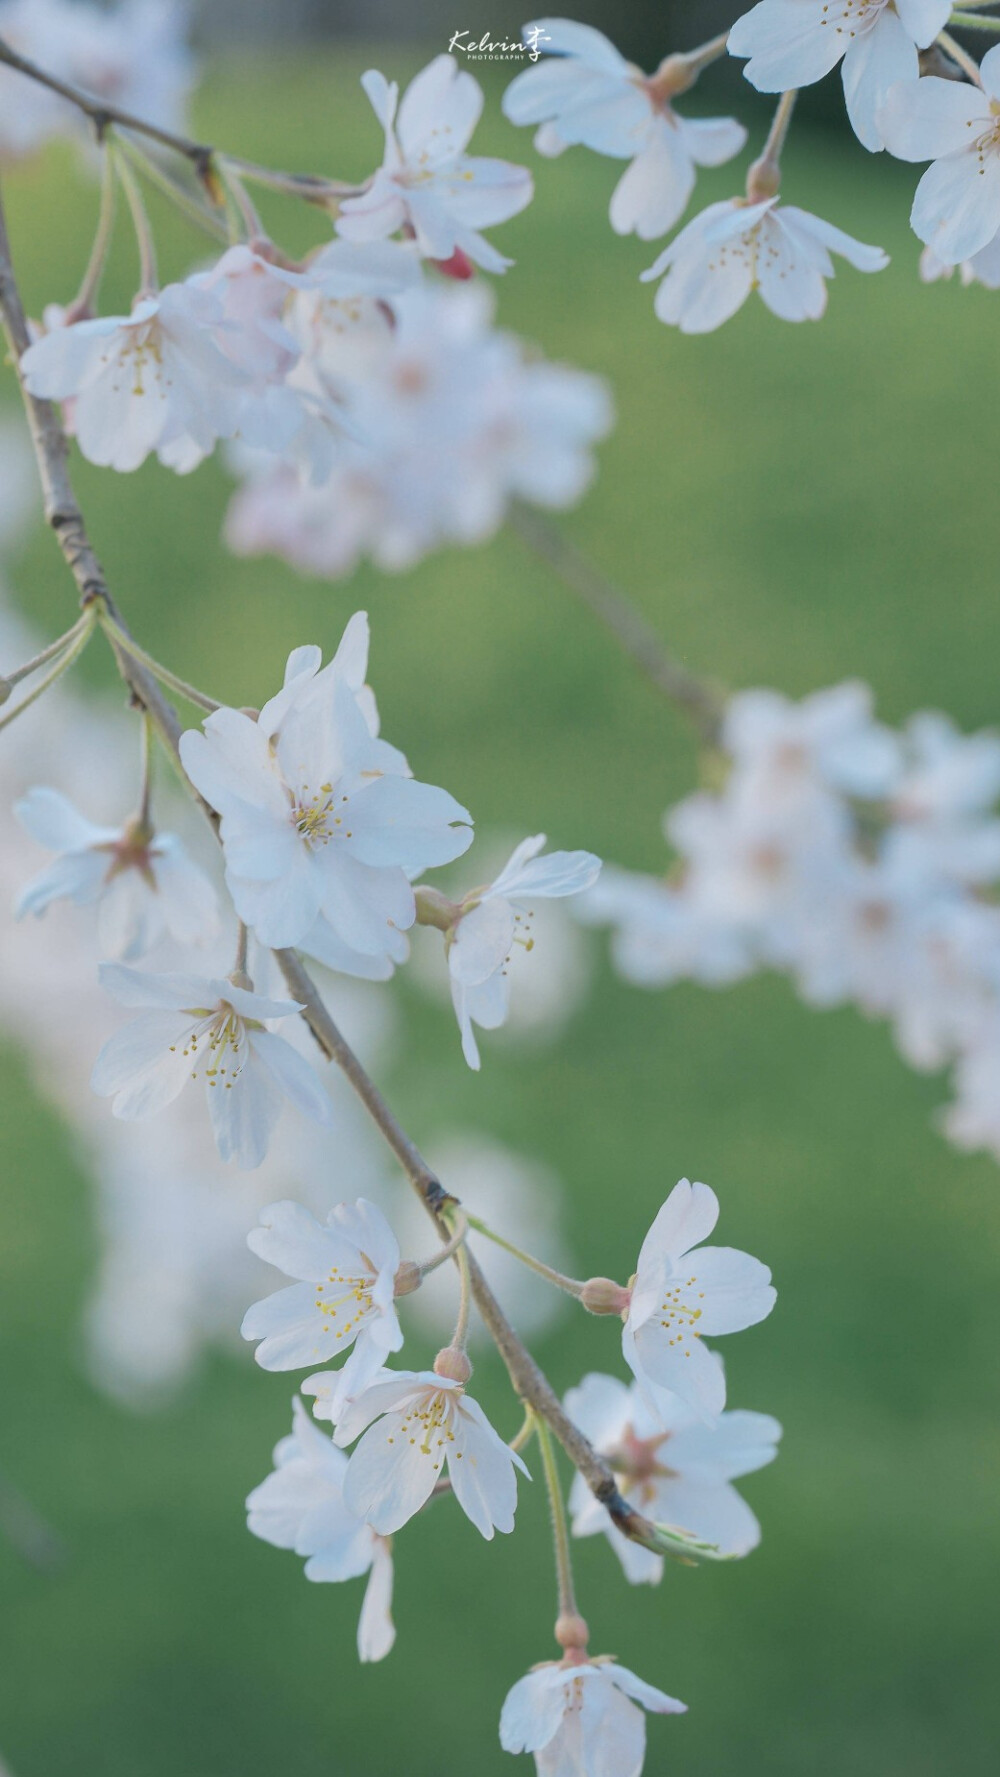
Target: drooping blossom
<point>582,1719</point>
<point>983,268</point>
<point>300,1506</point>
<point>192,1027</point>
<point>736,247</point>
<point>411,1426</point>
<point>584,91</point>
<point>493,919</point>
<point>343,1295</point>
<point>143,882</point>
<point>956,126</point>
<point>684,1291</point>
<point>320,819</point>
<point>427,184</point>
<point>791,43</point>
<point>671,1466</point>
<point>154,380</point>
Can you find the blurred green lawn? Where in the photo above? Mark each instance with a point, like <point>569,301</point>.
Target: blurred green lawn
<point>791,505</point>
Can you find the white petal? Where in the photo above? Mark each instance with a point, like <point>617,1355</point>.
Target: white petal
<point>923,119</point>
<point>388,1477</point>
<point>51,819</point>
<point>293,1075</point>
<point>956,209</point>
<point>376,1630</point>
<point>686,1218</point>
<point>482,942</point>
<point>874,62</point>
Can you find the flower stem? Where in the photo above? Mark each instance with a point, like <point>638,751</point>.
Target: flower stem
<point>66,659</point>
<point>9,680</point>
<point>961,57</point>
<point>145,770</point>
<point>189,692</point>
<point>560,1528</point>
<point>461,1333</point>
<point>148,277</point>
<point>971,21</point>
<point>569,1284</point>
<point>172,190</point>
<point>87,294</point>
<point>450,1247</point>
<point>764,176</point>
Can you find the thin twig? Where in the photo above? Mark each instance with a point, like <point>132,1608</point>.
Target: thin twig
<point>64,515</point>
<point>698,700</point>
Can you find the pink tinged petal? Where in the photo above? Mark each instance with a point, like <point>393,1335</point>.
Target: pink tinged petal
<point>293,1076</point>
<point>686,1218</point>
<point>924,119</point>
<point>50,818</point>
<point>481,1467</point>
<point>874,62</point>
<point>376,1630</point>
<point>375,214</point>
<point>389,1477</point>
<point>737,1289</point>
<point>243,1113</point>
<point>789,43</point>
<point>438,113</point>
<point>857,253</point>
<point>653,192</point>
<point>717,1514</point>
<point>533,1710</point>
<point>956,209</point>
<point>711,141</point>
<point>655,1701</point>
<point>482,942</point>
<point>143,1067</point>
<point>923,19</point>
<point>381,95</point>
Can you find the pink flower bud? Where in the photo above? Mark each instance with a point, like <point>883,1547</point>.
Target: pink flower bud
<point>453,1363</point>
<point>601,1295</point>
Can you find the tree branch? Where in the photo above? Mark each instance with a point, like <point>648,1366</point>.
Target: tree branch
<point>66,519</point>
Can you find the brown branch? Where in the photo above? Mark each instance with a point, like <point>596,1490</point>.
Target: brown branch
<point>64,516</point>
<point>696,698</point>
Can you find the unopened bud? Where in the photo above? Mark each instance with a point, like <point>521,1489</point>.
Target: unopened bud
<point>408,1278</point>
<point>601,1295</point>
<point>572,1633</point>
<point>763,180</point>
<point>676,74</point>
<point>453,1363</point>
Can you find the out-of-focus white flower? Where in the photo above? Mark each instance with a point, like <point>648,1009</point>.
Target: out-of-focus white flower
<point>320,821</point>
<point>194,1026</point>
<point>143,882</point>
<point>792,43</point>
<point>956,126</point>
<point>423,1421</point>
<point>344,1296</point>
<point>301,1506</point>
<point>680,1294</point>
<point>736,247</point>
<point>662,934</point>
<point>672,1466</point>
<point>154,380</point>
<point>582,1719</point>
<point>132,55</point>
<point>590,94</point>
<point>830,737</point>
<point>427,183</point>
<point>449,418</point>
<point>495,918</point>
<point>983,268</point>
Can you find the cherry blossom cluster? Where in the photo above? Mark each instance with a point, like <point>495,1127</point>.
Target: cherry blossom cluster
<point>417,1434</point>
<point>860,860</point>
<point>909,87</point>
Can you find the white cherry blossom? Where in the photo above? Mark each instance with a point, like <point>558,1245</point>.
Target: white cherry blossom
<point>193,1027</point>
<point>682,1291</point>
<point>791,43</point>
<point>411,1425</point>
<point>154,380</point>
<point>320,819</point>
<point>427,184</point>
<point>495,918</point>
<point>956,126</point>
<point>582,1718</point>
<point>143,882</point>
<point>736,247</point>
<point>671,1466</point>
<point>585,92</point>
<point>301,1506</point>
<point>983,267</point>
<point>830,739</point>
<point>343,1295</point>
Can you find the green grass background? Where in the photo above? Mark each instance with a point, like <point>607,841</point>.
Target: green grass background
<point>789,505</point>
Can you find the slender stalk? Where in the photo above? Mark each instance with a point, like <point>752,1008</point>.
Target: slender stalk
<point>694,697</point>
<point>460,1336</point>
<point>522,1437</point>
<point>242,949</point>
<point>529,1382</point>
<point>65,661</point>
<point>450,1247</point>
<point>972,21</point>
<point>569,1284</point>
<point>148,277</point>
<point>961,57</point>
<point>764,176</point>
<point>560,1528</point>
<point>190,693</point>
<point>146,770</point>
<point>169,187</point>
<point>9,680</point>
<point>86,296</point>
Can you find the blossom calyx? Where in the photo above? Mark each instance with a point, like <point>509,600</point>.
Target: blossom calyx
<point>763,179</point>
<point>453,1363</point>
<point>601,1295</point>
<point>572,1633</point>
<point>408,1278</point>
<point>435,909</point>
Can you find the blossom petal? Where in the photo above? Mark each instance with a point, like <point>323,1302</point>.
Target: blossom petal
<point>376,1630</point>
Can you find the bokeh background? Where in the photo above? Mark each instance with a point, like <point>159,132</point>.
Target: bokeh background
<point>789,506</point>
